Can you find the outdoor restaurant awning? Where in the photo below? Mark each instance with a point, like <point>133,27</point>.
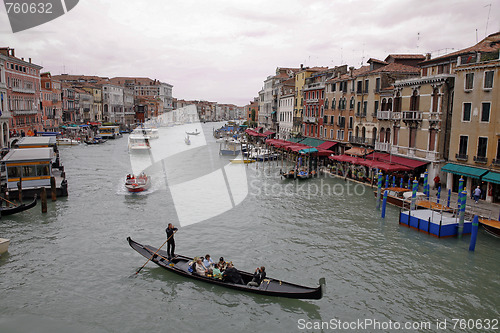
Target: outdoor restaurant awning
<point>266,133</point>
<point>357,151</point>
<point>464,170</point>
<point>327,145</point>
<point>312,142</point>
<point>308,151</point>
<point>492,177</point>
<point>411,163</point>
<point>254,133</point>
<point>344,158</point>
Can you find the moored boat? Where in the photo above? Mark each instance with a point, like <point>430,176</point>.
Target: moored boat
<point>95,141</point>
<point>289,175</point>
<point>4,245</point>
<point>67,142</point>
<point>491,226</point>
<point>269,286</point>
<point>241,160</point>
<point>193,133</point>
<point>137,184</point>
<point>187,140</point>
<point>138,143</point>
<point>4,211</point>
<point>398,196</point>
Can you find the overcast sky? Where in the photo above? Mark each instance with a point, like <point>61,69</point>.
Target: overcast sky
<point>223,50</point>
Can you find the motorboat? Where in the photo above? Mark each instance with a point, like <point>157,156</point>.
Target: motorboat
<point>138,184</point>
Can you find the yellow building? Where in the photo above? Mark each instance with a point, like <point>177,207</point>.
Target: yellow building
<point>474,151</point>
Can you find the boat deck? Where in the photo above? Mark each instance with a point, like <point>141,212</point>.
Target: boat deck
<point>434,206</point>
<point>439,224</point>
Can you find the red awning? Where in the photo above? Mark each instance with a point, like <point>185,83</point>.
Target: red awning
<point>344,158</point>
<point>408,162</point>
<point>266,133</point>
<point>296,147</point>
<point>323,152</point>
<point>327,145</point>
<point>253,133</point>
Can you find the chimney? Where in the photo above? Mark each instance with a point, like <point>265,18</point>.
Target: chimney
<point>301,66</point>
<point>30,60</point>
<point>427,56</point>
<point>351,70</point>
<point>12,53</point>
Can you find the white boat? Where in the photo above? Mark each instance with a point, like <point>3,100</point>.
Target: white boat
<point>150,132</point>
<point>187,140</point>
<point>193,133</point>
<point>67,142</point>
<point>138,143</point>
<point>137,184</point>
<point>4,245</point>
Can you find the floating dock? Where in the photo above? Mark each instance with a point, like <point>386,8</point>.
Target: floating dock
<point>439,224</point>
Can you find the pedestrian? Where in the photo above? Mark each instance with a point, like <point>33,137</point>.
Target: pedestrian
<point>477,194</point>
<point>170,240</point>
<point>437,182</point>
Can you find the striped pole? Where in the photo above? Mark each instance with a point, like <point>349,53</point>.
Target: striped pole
<point>461,218</point>
<point>384,203</point>
<point>449,197</point>
<point>439,194</point>
<point>426,180</point>
<point>409,183</point>
<point>379,188</point>
<point>401,182</point>
<point>473,237</point>
<point>461,185</point>
<point>428,191</point>
<point>393,181</point>
<point>414,194</point>
<point>386,181</point>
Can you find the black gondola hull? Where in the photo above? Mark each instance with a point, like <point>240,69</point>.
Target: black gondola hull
<point>269,287</point>
<point>17,209</point>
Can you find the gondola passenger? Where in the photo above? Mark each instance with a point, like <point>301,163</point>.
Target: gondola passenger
<point>258,276</point>
<point>232,275</point>
<point>200,268</point>
<point>208,261</point>
<point>222,264</point>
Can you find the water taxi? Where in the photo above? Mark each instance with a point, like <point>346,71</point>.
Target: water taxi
<point>137,184</point>
<point>67,142</point>
<point>138,143</point>
<point>109,132</point>
<point>150,132</point>
<point>33,169</point>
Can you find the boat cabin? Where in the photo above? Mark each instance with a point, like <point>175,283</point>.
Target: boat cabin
<point>36,142</point>
<point>110,132</point>
<point>32,165</point>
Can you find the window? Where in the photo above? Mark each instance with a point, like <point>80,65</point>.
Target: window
<point>488,80</point>
<point>351,103</point>
<point>462,148</point>
<point>466,112</point>
<point>432,139</point>
<point>377,85</point>
<point>395,135</point>
<point>481,146</point>
<point>359,107</point>
<point>366,86</point>
<point>375,108</point>
<point>334,87</point>
<point>365,107</point>
<point>414,101</point>
<point>485,112</point>
<point>469,81</point>
<point>332,119</point>
<point>413,138</point>
<point>498,150</point>
<point>331,134</point>
<point>351,123</point>
<point>333,104</point>
<point>325,132</point>
<point>360,87</point>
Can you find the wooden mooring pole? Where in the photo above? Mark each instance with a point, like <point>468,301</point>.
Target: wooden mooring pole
<point>53,188</point>
<point>44,200</point>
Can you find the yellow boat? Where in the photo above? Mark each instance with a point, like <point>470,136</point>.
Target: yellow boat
<point>241,161</point>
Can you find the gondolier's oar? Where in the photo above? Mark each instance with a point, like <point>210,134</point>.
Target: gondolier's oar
<point>8,201</point>
<point>156,252</point>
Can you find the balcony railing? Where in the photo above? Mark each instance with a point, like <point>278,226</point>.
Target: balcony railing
<point>312,100</point>
<point>23,112</point>
<point>412,115</point>
<point>434,116</point>
<point>480,159</point>
<point>361,141</point>
<point>311,120</point>
<point>384,115</point>
<point>360,114</point>
<point>396,115</point>
<point>383,146</point>
<point>462,157</point>
<point>24,90</point>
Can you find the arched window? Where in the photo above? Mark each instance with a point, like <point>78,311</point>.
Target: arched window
<point>397,102</point>
<point>388,135</point>
<point>382,135</point>
<point>363,133</point>
<point>389,104</point>
<point>384,105</point>
<point>351,103</point>
<point>333,104</point>
<point>435,100</point>
<point>357,131</point>
<point>374,135</point>
<point>414,101</point>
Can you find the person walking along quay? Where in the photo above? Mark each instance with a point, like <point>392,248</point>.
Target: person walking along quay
<point>171,230</point>
<point>477,194</point>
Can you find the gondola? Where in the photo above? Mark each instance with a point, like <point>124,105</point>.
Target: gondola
<point>268,287</point>
<point>288,175</point>
<point>17,209</point>
<point>193,133</point>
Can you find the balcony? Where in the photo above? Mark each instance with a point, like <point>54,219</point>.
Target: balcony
<point>360,114</point>
<point>23,90</point>
<point>481,159</point>
<point>310,120</point>
<point>312,100</point>
<point>24,112</point>
<point>396,115</point>
<point>461,157</point>
<point>383,146</point>
<point>412,115</point>
<point>434,116</point>
<point>384,115</point>
<point>361,141</point>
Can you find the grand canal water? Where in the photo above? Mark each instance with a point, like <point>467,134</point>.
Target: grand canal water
<point>71,270</point>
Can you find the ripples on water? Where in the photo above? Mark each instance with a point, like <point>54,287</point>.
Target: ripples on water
<point>72,267</point>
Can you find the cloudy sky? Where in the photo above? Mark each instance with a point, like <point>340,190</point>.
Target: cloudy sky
<point>223,50</point>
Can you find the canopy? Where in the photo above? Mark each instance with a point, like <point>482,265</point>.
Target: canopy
<point>327,145</point>
<point>464,170</point>
<point>357,151</point>
<point>308,151</point>
<point>266,133</point>
<point>492,177</point>
<point>411,163</point>
<point>312,142</point>
<point>344,158</point>
<point>253,133</point>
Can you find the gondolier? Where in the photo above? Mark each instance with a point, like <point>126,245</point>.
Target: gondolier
<point>170,240</point>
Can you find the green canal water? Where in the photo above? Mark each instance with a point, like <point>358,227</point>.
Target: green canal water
<point>71,269</point>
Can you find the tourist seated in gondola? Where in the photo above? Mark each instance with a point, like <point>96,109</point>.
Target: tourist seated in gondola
<point>216,273</point>
<point>208,262</point>
<point>258,276</point>
<point>200,268</point>
<point>232,275</point>
<point>222,264</point>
